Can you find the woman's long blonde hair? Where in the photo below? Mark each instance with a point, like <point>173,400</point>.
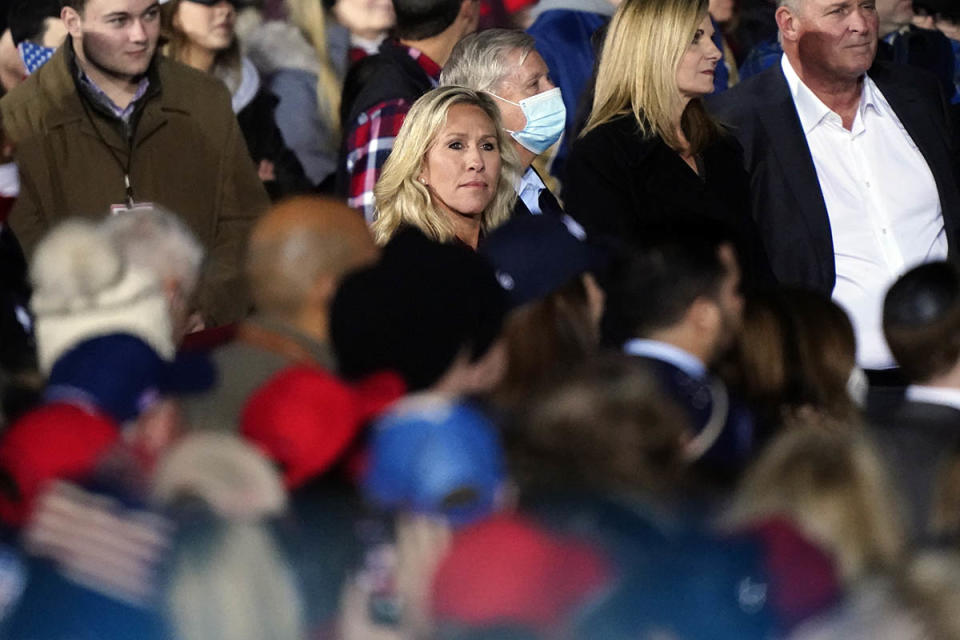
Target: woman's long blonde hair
<point>638,66</point>
<point>401,199</point>
<point>831,482</point>
<point>311,18</point>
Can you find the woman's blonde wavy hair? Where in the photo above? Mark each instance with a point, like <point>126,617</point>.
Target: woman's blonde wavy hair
<point>638,71</point>
<point>402,200</point>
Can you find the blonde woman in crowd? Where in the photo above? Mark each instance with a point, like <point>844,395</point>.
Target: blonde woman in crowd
<point>451,171</point>
<point>650,155</point>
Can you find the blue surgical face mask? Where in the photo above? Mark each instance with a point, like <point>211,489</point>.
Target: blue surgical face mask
<point>546,116</point>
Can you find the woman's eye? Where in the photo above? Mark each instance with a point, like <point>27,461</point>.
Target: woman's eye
<point>456,146</point>
<point>489,146</point>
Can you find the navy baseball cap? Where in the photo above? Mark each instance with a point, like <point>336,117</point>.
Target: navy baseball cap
<point>434,455</point>
<point>535,255</point>
<point>121,374</point>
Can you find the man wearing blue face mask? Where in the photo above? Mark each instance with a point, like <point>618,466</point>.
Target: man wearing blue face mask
<point>505,64</point>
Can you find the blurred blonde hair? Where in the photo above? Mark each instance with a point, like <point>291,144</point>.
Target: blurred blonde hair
<point>229,581</point>
<point>638,66</point>
<point>311,18</point>
<point>832,484</point>
<point>402,199</point>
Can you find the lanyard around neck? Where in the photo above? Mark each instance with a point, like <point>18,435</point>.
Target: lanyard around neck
<point>124,166</point>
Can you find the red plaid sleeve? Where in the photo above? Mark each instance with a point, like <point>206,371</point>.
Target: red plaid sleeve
<point>369,142</point>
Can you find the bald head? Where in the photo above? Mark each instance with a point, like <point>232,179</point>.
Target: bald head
<point>300,250</point>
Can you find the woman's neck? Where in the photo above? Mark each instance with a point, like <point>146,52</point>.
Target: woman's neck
<point>467,229</point>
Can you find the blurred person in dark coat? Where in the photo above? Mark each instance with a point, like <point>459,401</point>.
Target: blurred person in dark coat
<point>297,255</point>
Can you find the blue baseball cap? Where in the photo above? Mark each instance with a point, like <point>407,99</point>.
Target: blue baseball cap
<point>434,455</point>
<point>535,255</point>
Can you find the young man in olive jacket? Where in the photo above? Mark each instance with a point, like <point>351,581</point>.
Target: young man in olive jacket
<point>109,123</point>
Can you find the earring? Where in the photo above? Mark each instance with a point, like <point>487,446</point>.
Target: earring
<point>423,182</point>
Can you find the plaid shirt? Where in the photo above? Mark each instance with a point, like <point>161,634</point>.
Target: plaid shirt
<point>370,140</point>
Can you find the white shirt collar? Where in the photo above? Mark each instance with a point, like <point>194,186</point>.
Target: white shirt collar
<point>811,109</point>
<point>530,180</point>
<point>681,359</point>
<point>934,395</point>
<point>528,189</point>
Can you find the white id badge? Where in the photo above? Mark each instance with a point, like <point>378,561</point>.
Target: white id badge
<point>120,209</point>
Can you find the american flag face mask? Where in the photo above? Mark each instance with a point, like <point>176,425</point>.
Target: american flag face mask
<point>34,55</point>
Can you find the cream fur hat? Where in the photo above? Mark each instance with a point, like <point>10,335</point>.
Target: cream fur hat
<point>83,288</point>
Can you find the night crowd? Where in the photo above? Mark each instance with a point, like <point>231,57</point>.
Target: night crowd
<point>479,319</point>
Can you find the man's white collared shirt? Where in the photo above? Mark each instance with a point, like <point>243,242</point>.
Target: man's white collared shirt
<point>882,202</point>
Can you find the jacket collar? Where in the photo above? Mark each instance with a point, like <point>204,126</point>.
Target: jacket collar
<point>57,79</point>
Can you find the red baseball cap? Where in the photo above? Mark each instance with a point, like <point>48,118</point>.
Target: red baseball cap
<point>55,441</point>
<point>507,570</point>
<point>304,418</point>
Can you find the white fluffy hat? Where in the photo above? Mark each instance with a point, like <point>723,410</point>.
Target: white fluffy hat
<point>83,288</point>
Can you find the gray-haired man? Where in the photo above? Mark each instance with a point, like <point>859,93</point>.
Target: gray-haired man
<point>505,64</point>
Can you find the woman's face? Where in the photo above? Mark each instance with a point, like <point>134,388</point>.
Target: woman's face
<point>696,70</point>
<point>462,166</point>
<point>365,18</point>
<point>209,27</point>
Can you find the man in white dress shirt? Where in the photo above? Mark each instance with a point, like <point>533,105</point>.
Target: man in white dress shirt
<point>852,163</point>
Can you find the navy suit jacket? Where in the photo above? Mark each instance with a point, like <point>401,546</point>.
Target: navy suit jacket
<point>786,199</point>
<point>695,397</point>
<point>916,440</point>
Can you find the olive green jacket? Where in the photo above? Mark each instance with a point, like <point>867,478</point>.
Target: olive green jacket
<point>186,154</point>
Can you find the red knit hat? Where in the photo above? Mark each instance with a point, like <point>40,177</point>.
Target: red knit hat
<point>509,571</point>
<point>304,418</point>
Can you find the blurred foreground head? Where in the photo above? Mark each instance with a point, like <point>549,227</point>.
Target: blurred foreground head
<point>298,253</point>
<point>921,321</point>
<point>158,241</point>
<point>428,311</point>
<point>434,456</point>
<point>831,483</point>
<point>85,287</point>
<point>607,429</point>
<point>547,265</point>
<point>797,353</point>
